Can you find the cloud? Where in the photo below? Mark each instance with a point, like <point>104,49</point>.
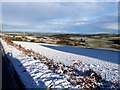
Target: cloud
<point>0,13</point>
<point>57,24</point>
<point>57,16</point>
<point>110,26</point>
<point>40,12</point>
<point>35,12</point>
<point>102,32</point>
<point>13,23</point>
<point>60,0</point>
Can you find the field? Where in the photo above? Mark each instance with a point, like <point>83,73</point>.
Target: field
<point>100,42</point>
<point>35,73</point>
<point>105,41</point>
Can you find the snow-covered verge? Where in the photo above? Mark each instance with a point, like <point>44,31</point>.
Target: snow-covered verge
<point>35,74</point>
<point>108,70</point>
<point>32,72</point>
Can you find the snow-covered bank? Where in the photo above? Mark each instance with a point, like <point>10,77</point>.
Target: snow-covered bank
<point>32,72</point>
<point>108,70</point>
<point>42,72</point>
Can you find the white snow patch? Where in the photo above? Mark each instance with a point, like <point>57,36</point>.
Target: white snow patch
<point>108,70</point>
<point>35,74</point>
<point>32,72</point>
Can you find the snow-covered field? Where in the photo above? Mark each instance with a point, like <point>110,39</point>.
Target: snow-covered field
<point>108,70</point>
<point>35,74</point>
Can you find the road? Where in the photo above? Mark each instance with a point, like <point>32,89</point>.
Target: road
<point>10,78</point>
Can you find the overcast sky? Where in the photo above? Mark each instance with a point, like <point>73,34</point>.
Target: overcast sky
<point>60,17</point>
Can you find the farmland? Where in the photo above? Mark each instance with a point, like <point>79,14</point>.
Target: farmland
<point>45,67</point>
<point>105,41</point>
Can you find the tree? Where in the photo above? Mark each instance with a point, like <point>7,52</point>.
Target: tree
<point>33,40</point>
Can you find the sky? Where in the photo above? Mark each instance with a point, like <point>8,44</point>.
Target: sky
<point>60,17</point>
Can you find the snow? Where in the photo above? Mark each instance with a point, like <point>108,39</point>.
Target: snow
<point>30,37</point>
<point>35,74</point>
<point>103,67</point>
<point>32,72</point>
<point>102,54</point>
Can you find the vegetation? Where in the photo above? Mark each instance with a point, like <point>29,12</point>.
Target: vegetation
<point>115,46</point>
<point>33,40</point>
<point>0,36</point>
<point>109,41</point>
<point>16,39</point>
<point>64,42</point>
<point>115,41</point>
